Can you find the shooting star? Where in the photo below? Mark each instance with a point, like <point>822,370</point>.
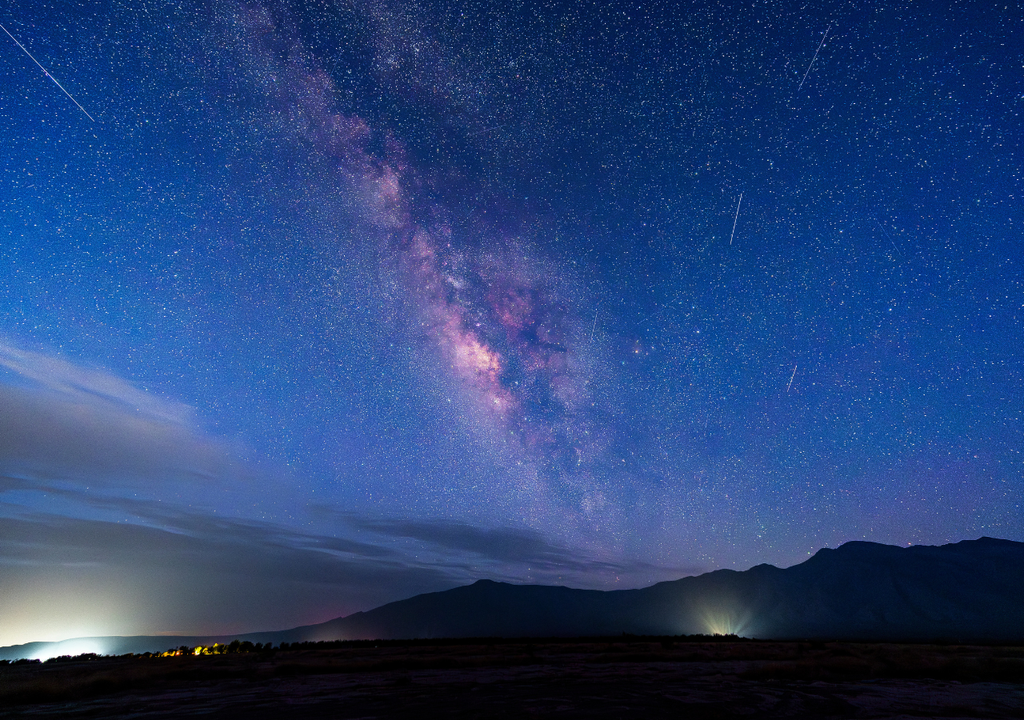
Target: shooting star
<point>808,71</point>
<point>47,73</point>
<point>791,379</point>
<point>485,130</point>
<point>888,237</point>
<point>736,218</point>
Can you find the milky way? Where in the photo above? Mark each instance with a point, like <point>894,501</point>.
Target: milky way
<point>506,338</point>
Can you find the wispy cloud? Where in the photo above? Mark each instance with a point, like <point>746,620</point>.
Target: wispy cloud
<point>61,421</point>
<point>517,553</point>
<point>168,567</point>
<point>73,382</point>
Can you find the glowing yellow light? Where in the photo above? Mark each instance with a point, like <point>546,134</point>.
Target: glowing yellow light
<point>719,624</point>
<point>726,617</point>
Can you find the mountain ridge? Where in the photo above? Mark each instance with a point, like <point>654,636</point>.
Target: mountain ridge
<point>967,590</point>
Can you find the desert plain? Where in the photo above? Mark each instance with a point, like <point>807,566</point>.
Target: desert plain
<point>618,677</point>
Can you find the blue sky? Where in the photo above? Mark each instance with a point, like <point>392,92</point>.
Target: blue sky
<point>335,303</point>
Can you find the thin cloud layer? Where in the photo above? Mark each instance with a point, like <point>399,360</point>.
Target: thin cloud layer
<point>528,553</point>
<point>172,570</point>
<point>169,568</point>
<point>63,422</point>
<point>64,378</point>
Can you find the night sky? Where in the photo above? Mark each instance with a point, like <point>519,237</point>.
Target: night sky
<point>333,303</point>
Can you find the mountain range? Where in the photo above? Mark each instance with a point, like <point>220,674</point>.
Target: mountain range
<point>967,591</point>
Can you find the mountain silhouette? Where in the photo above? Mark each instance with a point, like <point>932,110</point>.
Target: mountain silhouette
<point>967,591</point>
<point>970,590</point>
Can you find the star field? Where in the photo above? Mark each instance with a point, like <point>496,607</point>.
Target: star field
<point>338,302</point>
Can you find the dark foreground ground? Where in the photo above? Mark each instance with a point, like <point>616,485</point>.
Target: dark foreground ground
<point>611,678</point>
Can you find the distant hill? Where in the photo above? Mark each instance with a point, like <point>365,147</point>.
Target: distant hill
<point>967,591</point>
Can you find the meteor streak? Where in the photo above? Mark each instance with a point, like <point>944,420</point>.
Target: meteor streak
<point>47,72</point>
<point>735,219</point>
<point>804,79</point>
